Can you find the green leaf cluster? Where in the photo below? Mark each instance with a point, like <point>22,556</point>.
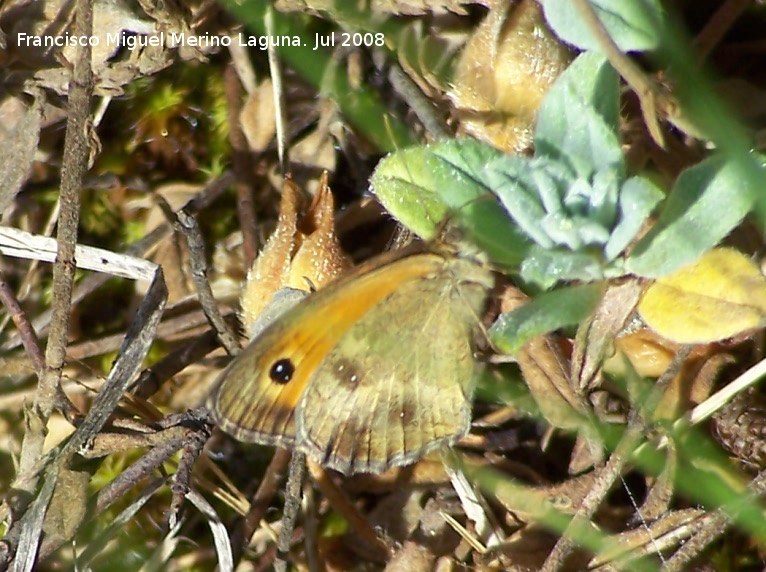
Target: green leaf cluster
<point>571,213</point>
<point>565,214</point>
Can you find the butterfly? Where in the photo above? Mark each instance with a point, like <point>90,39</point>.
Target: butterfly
<point>371,372</point>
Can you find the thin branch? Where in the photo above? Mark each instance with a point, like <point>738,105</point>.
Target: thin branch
<point>650,94</point>
<point>74,165</point>
<point>419,103</point>
<point>295,476</point>
<point>26,331</point>
<point>275,70</point>
<point>261,501</point>
<point>151,379</point>
<point>187,225</point>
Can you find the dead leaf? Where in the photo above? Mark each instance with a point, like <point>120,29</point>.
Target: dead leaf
<point>388,7</point>
<point>110,19</point>
<point>595,337</point>
<point>318,148</point>
<point>19,146</point>
<point>546,373</point>
<point>546,368</point>
<point>258,117</point>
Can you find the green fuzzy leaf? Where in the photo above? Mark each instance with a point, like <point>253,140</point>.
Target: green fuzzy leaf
<point>707,202</point>
<point>527,188</point>
<point>547,267</point>
<point>421,186</point>
<point>578,120</point>
<point>631,25</point>
<point>638,197</point>
<point>546,313</point>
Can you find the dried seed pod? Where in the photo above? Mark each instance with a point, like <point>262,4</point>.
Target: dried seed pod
<point>740,427</point>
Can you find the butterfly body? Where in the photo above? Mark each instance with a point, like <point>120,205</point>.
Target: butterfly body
<point>369,373</point>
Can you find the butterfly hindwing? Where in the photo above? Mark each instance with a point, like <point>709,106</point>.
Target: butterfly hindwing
<point>397,384</point>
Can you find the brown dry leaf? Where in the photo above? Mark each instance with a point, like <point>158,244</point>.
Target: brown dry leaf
<point>258,117</point>
<point>317,148</point>
<point>19,143</point>
<point>110,19</point>
<point>546,368</point>
<point>595,337</point>
<point>173,16</point>
<point>54,17</point>
<point>719,296</point>
<point>503,74</point>
<point>300,254</point>
<point>692,385</point>
<point>420,7</point>
<point>546,373</point>
<point>110,80</point>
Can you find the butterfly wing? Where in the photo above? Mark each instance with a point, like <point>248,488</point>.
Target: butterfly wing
<point>257,395</point>
<point>248,404</point>
<point>397,384</point>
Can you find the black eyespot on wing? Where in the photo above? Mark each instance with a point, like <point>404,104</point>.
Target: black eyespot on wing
<point>282,371</point>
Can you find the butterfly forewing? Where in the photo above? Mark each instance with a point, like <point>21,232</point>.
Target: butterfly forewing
<point>248,405</point>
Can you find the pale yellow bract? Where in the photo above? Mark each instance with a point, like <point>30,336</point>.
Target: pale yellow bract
<point>719,296</point>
